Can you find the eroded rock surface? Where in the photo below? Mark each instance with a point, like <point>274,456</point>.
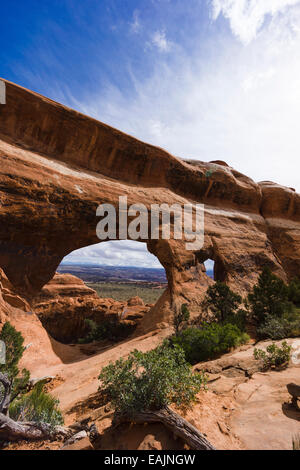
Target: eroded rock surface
<point>65,303</point>
<point>57,166</point>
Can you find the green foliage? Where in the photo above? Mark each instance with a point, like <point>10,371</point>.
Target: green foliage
<point>273,356</point>
<point>181,318</point>
<point>273,307</point>
<point>112,329</point>
<point>238,319</point>
<point>288,326</point>
<point>209,341</point>
<point>294,291</point>
<point>37,406</point>
<point>151,380</point>
<point>269,297</point>
<point>221,301</point>
<point>273,328</point>
<point>14,349</point>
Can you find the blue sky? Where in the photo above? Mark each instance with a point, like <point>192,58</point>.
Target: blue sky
<point>205,79</point>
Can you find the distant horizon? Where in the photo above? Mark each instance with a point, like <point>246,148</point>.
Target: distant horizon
<point>209,270</point>
<point>87,263</point>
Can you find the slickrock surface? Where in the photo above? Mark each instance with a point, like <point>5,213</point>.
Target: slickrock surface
<point>57,166</point>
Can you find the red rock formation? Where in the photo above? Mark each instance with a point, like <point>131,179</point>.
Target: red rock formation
<point>66,302</point>
<point>134,301</point>
<point>57,166</point>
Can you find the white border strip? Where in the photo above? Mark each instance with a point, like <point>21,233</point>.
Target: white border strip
<point>2,92</point>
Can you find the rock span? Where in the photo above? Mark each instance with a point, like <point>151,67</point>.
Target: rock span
<point>58,165</point>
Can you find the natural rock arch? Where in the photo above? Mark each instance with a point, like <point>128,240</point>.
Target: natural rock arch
<point>57,166</point>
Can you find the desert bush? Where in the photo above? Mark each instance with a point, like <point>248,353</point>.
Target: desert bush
<point>37,406</point>
<point>151,380</point>
<point>180,318</point>
<point>112,329</point>
<point>274,356</point>
<point>238,319</point>
<point>17,381</point>
<point>287,326</point>
<point>273,328</point>
<point>221,301</point>
<point>15,399</point>
<point>208,341</point>
<point>294,291</point>
<point>268,298</point>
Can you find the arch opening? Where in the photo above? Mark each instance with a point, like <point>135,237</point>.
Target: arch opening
<point>209,265</point>
<point>212,265</point>
<point>118,262</point>
<point>102,292</point>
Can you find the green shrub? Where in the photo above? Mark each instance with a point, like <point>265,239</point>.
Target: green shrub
<point>273,328</point>
<point>181,317</point>
<point>112,329</point>
<point>238,319</point>
<point>221,301</point>
<point>269,297</point>
<point>150,381</point>
<point>209,341</point>
<point>294,291</point>
<point>14,349</point>
<point>37,406</point>
<point>17,380</point>
<point>288,326</point>
<point>273,356</point>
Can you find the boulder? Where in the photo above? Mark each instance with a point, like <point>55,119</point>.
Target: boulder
<point>65,303</point>
<point>134,301</point>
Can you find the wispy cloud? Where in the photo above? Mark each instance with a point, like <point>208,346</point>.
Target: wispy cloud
<point>135,25</point>
<point>159,39</point>
<point>235,102</point>
<point>246,17</point>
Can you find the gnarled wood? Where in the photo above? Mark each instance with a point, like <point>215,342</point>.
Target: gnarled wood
<point>11,430</point>
<point>174,422</point>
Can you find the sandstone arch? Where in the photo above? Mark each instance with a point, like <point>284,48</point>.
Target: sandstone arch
<point>58,165</point>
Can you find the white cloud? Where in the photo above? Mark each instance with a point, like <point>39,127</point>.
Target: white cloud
<point>159,39</point>
<point>115,253</point>
<point>237,103</point>
<point>246,17</point>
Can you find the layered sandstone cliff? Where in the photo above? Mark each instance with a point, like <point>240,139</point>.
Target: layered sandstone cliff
<point>57,166</point>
